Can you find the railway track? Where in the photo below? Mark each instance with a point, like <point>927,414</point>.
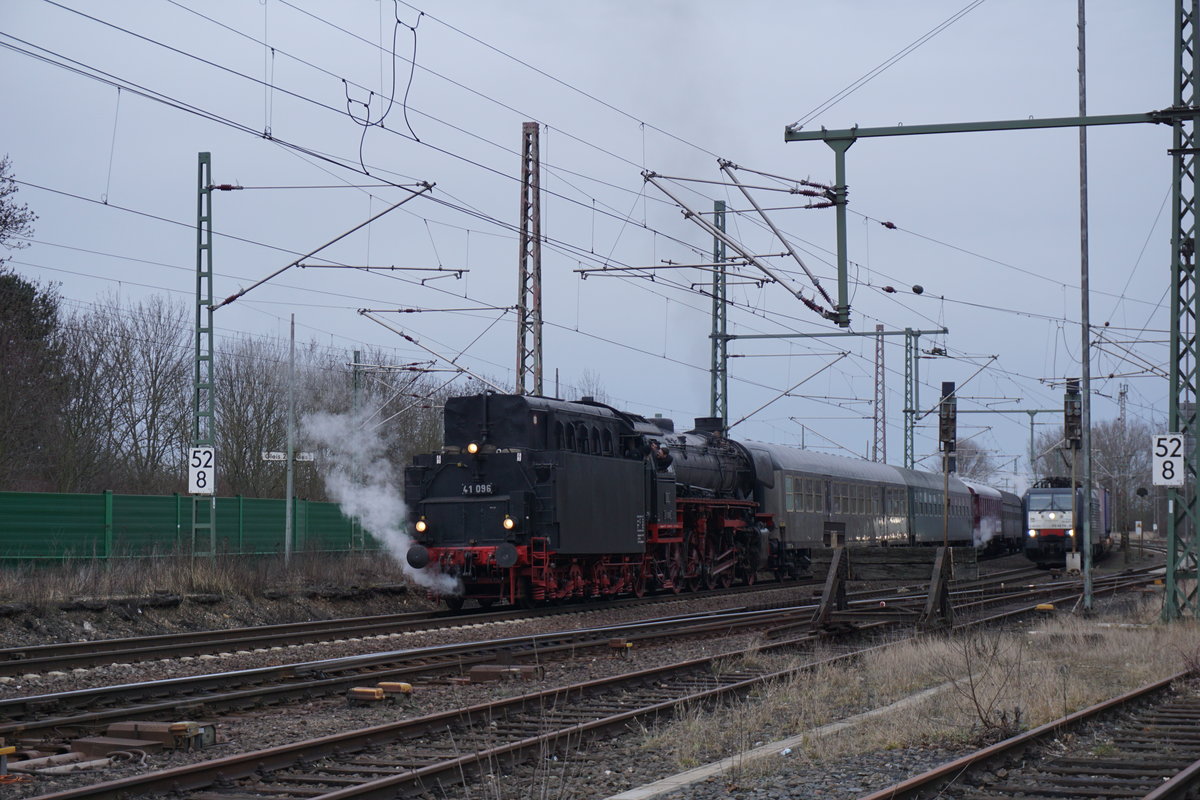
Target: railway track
<point>23,660</point>
<point>83,711</point>
<point>326,682</point>
<point>1144,744</point>
<point>77,712</point>
<point>390,760</point>
<point>76,655</point>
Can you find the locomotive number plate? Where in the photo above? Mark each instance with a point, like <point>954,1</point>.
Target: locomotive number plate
<point>476,488</point>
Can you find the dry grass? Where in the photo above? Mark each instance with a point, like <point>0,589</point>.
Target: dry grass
<point>994,684</point>
<point>226,575</point>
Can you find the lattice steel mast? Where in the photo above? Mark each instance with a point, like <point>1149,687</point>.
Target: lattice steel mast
<point>1183,523</point>
<point>720,343</point>
<point>204,508</point>
<point>879,446</point>
<point>529,289</point>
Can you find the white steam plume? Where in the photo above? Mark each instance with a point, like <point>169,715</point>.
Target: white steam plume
<point>361,480</point>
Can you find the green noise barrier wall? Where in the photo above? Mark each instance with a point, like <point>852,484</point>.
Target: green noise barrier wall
<point>38,526</point>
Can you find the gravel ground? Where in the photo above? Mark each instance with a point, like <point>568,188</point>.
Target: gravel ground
<point>614,766</point>
<point>267,727</point>
<point>88,619</point>
<point>92,677</point>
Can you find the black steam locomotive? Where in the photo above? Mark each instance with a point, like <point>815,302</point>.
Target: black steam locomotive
<point>534,499</point>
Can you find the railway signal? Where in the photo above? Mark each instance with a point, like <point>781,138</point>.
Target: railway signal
<point>948,418</point>
<point>1073,415</point>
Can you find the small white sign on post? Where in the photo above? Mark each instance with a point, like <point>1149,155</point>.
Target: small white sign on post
<point>275,455</point>
<point>202,470</point>
<point>1168,459</point>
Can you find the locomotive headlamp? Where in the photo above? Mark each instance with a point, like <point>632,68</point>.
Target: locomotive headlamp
<point>1070,532</point>
<point>421,526</point>
<point>473,448</point>
<point>1052,515</point>
<point>1032,533</point>
<point>509,523</point>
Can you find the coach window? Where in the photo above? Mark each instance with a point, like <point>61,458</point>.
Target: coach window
<point>569,443</point>
<point>606,443</point>
<point>789,493</point>
<point>595,441</point>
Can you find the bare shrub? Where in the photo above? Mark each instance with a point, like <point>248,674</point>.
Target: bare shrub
<point>985,675</point>
<point>980,685</point>
<point>181,573</point>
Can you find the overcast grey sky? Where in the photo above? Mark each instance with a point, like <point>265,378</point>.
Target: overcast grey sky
<point>986,223</point>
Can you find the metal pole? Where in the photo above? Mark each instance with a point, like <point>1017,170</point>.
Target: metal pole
<point>1074,506</point>
<point>529,267</point>
<point>1032,454</point>
<point>945,498</point>
<point>1085,352</point>
<point>879,450</point>
<point>291,446</point>
<point>204,509</point>
<point>355,371</point>
<point>1183,517</point>
<point>841,197</point>
<point>720,344</point>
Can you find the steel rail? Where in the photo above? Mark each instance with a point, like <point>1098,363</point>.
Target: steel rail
<point>247,765</point>
<point>953,770</point>
<point>265,763</point>
<point>273,685</point>
<point>66,655</point>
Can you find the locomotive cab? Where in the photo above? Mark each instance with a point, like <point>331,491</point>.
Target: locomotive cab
<point>526,491</point>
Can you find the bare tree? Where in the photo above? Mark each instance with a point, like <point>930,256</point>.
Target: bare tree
<point>1120,463</point>
<point>591,385</point>
<point>86,447</point>
<point>16,221</point>
<point>148,377</point>
<point>973,462</point>
<point>251,415</point>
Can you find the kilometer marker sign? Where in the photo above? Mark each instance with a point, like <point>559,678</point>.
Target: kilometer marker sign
<point>1168,459</point>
